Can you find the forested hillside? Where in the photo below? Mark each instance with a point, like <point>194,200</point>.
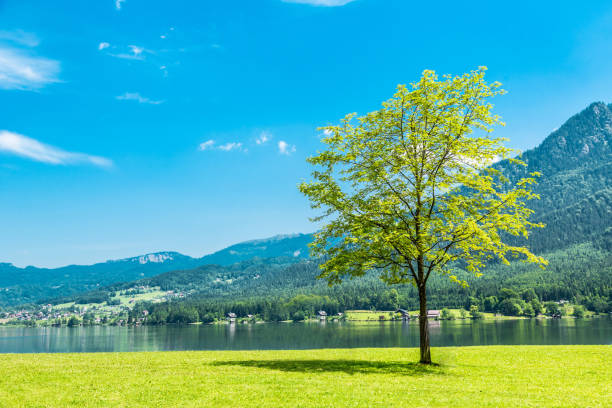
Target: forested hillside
<point>575,204</point>
<point>31,284</point>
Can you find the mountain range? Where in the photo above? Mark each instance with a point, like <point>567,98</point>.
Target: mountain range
<point>575,204</point>
<point>32,284</point>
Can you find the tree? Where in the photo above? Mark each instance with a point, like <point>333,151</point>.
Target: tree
<point>474,312</point>
<point>445,314</point>
<point>510,307</point>
<point>505,293</point>
<point>528,310</point>
<point>579,311</point>
<point>537,306</point>
<point>552,309</point>
<point>407,190</point>
<point>298,316</point>
<point>490,303</point>
<point>74,321</point>
<point>528,295</point>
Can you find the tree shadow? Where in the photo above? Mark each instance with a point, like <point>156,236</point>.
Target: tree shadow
<point>346,366</point>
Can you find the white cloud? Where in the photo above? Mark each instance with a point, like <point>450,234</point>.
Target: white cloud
<point>136,50</point>
<point>263,137</point>
<point>136,53</point>
<point>206,145</point>
<point>103,45</point>
<point>20,37</point>
<point>285,148</point>
<point>118,4</point>
<point>325,3</point>
<point>19,70</point>
<point>227,147</point>
<point>19,145</point>
<point>231,146</point>
<point>135,96</point>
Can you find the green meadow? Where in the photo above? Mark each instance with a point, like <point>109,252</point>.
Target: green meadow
<point>494,376</point>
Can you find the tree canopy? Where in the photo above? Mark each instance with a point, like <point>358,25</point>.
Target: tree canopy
<point>408,189</point>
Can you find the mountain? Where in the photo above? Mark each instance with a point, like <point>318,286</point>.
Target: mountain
<point>291,246</point>
<point>575,187</point>
<point>576,205</point>
<point>32,284</point>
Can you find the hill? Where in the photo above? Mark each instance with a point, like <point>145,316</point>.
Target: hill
<point>32,284</point>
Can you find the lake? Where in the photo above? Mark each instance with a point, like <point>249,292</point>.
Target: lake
<point>303,335</point>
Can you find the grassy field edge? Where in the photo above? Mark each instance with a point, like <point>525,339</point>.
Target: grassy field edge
<point>477,376</point>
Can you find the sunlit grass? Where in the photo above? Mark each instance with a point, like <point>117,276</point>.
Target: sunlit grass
<point>497,376</point>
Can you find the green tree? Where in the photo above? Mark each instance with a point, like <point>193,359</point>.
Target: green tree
<point>528,310</point>
<point>579,311</point>
<point>298,316</point>
<point>446,314</point>
<point>406,190</point>
<point>510,307</point>
<point>474,312</point>
<point>537,306</point>
<point>552,309</point>
<point>505,293</point>
<point>528,295</point>
<point>490,303</point>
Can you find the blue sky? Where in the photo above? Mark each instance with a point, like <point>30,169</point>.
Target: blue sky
<point>136,126</point>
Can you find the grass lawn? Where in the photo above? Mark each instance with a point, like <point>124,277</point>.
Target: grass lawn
<point>495,376</point>
<point>369,315</point>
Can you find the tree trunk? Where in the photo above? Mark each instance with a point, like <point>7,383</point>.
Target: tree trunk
<point>424,327</point>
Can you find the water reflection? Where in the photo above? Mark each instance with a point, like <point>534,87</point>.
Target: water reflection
<point>303,335</point>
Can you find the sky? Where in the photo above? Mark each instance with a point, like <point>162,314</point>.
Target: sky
<point>135,126</point>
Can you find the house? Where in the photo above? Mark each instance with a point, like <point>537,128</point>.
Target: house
<point>322,314</point>
<point>404,313</point>
<point>433,314</point>
<point>231,316</point>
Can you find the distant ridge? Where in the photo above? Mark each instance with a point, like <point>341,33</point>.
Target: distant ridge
<point>32,284</point>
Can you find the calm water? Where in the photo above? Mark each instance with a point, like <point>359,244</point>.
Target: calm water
<point>302,335</point>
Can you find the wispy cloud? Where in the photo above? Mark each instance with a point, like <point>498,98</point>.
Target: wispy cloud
<point>207,145</point>
<point>325,3</point>
<point>23,146</point>
<point>227,147</point>
<point>136,53</point>
<point>135,96</point>
<point>20,37</point>
<point>118,4</point>
<point>21,70</point>
<point>136,50</point>
<point>231,146</point>
<point>263,137</point>
<point>285,148</point>
<point>103,45</point>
